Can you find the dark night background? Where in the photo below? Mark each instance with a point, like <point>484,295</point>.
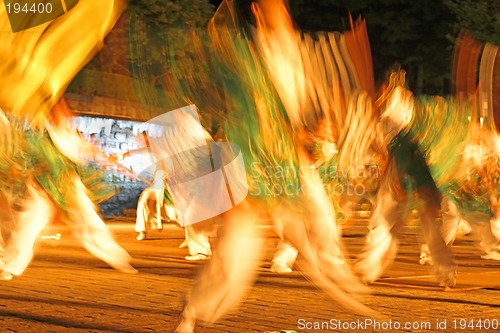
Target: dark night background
<point>417,35</point>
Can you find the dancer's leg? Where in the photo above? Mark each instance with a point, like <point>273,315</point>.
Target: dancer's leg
<point>489,243</point>
<point>451,220</point>
<point>197,239</point>
<point>92,232</point>
<point>7,218</point>
<point>307,222</point>
<point>159,207</point>
<point>142,214</point>
<point>37,211</point>
<point>386,221</point>
<point>449,228</point>
<point>442,258</point>
<point>227,276</point>
<point>284,258</point>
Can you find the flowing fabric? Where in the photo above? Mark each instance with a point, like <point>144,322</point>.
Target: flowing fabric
<point>235,81</point>
<point>40,62</point>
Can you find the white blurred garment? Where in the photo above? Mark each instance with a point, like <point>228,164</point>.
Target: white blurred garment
<point>454,226</point>
<point>390,214</point>
<point>198,238</point>
<point>86,225</point>
<point>151,200</point>
<point>81,214</point>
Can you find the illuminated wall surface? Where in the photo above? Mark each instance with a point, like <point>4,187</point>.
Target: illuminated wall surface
<point>114,137</point>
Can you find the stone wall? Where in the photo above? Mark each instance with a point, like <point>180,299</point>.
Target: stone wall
<point>113,136</point>
<point>116,127</point>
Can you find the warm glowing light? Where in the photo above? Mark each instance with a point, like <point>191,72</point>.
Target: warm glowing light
<point>36,65</point>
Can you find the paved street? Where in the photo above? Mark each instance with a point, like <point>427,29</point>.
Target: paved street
<point>67,290</point>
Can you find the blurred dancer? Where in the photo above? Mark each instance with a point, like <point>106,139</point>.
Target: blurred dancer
<point>176,161</point>
<point>407,177</point>
<point>153,195</point>
<point>266,117</point>
<point>53,183</point>
<point>37,65</point>
<point>157,198</point>
<point>453,156</point>
<point>12,170</point>
<point>322,148</point>
<point>454,226</point>
<point>196,235</point>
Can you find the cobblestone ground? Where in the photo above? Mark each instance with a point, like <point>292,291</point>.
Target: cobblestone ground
<point>67,290</point>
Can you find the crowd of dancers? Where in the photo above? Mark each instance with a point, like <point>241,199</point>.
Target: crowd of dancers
<point>305,113</point>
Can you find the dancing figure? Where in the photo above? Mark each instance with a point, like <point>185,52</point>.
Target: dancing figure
<point>268,117</point>
<point>435,155</point>
<point>151,204</point>
<point>53,151</point>
<point>53,183</point>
